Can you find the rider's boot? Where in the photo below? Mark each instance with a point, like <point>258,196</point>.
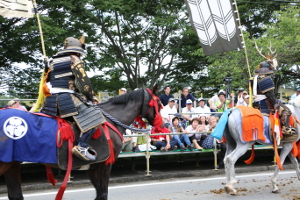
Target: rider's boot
<point>287,130</point>
<point>83,150</point>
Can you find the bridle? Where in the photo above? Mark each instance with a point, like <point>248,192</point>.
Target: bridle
<point>154,102</point>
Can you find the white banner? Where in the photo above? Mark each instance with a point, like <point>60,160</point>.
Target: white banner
<point>16,8</point>
<point>215,23</point>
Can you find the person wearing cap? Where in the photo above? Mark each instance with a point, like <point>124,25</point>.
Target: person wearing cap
<point>202,108</point>
<point>170,108</point>
<point>164,98</point>
<point>222,104</point>
<point>65,77</point>
<point>188,111</point>
<point>296,94</point>
<point>185,96</point>
<point>212,101</point>
<point>241,100</point>
<point>122,91</point>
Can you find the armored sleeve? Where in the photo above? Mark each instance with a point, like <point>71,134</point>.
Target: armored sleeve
<point>82,81</point>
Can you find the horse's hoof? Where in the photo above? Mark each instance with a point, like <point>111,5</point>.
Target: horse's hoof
<point>276,191</point>
<point>227,189</point>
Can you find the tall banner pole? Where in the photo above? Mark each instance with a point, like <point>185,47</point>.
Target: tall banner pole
<point>41,96</point>
<point>246,53</point>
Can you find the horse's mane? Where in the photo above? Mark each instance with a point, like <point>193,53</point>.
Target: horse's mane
<point>136,95</point>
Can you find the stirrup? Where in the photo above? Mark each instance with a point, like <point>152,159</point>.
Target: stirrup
<point>84,153</point>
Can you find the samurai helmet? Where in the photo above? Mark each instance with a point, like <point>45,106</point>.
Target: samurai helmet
<point>72,44</point>
<point>271,60</point>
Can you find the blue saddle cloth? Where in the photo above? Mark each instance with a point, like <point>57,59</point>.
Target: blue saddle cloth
<point>27,137</point>
<point>219,130</point>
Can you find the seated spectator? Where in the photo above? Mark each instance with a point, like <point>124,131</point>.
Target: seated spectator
<point>189,109</point>
<point>15,103</point>
<point>241,99</point>
<point>162,142</point>
<point>164,98</point>
<point>220,144</point>
<point>202,108</point>
<point>187,96</point>
<point>212,101</point>
<point>195,138</point>
<point>167,110</point>
<point>203,124</point>
<point>127,142</point>
<point>175,127</point>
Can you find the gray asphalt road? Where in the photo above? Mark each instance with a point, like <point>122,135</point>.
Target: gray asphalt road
<point>250,186</point>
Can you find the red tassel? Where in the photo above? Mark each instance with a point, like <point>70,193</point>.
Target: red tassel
<point>50,176</point>
<point>140,121</point>
<point>61,192</point>
<point>111,158</point>
<point>65,130</point>
<point>63,186</point>
<point>251,159</point>
<point>97,133</point>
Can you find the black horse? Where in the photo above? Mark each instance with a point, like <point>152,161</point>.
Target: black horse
<point>125,109</point>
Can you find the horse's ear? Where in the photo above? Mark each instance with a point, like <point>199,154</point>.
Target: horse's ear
<point>155,89</point>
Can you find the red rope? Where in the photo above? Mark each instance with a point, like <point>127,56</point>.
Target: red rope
<point>111,158</point>
<point>63,186</point>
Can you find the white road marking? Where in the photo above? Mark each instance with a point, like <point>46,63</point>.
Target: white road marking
<point>151,184</point>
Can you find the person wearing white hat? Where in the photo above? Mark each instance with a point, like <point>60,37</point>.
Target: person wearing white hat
<point>202,108</point>
<point>123,91</point>
<point>189,109</point>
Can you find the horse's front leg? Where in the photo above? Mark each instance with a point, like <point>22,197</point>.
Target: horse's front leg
<point>230,161</point>
<point>99,175</point>
<point>286,149</point>
<point>13,182</point>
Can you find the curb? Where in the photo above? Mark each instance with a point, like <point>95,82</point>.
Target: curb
<point>157,175</point>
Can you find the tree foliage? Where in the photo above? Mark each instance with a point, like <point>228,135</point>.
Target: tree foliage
<point>145,41</point>
<point>284,37</point>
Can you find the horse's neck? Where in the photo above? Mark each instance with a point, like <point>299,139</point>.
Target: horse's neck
<point>126,114</point>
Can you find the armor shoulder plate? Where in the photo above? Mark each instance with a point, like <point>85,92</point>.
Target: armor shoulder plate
<point>82,81</point>
<point>263,71</point>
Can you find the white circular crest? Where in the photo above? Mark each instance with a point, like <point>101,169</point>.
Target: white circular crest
<point>15,127</point>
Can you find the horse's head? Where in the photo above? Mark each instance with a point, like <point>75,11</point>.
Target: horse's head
<point>151,107</point>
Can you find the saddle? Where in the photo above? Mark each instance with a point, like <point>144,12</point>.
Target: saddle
<point>100,145</point>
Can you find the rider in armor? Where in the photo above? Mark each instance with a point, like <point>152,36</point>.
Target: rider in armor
<point>263,76</point>
<point>65,78</point>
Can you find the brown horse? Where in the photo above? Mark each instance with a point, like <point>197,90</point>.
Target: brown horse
<point>123,108</point>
